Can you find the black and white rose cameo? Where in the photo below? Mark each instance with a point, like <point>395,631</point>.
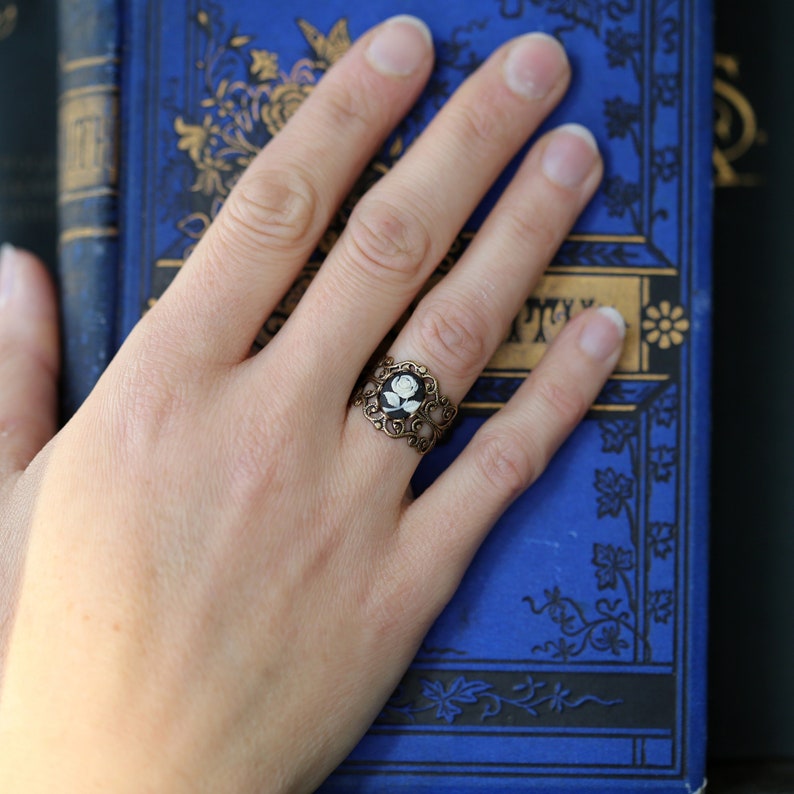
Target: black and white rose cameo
<point>402,395</point>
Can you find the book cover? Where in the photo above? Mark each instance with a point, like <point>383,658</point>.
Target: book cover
<point>573,657</point>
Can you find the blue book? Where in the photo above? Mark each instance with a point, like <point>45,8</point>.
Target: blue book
<point>573,657</point>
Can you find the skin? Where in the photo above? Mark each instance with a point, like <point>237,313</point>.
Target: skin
<point>213,584</point>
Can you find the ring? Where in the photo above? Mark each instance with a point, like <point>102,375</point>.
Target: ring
<point>403,401</point>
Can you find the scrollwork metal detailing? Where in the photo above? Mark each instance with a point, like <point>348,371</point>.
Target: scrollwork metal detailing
<point>636,568</point>
<point>402,399</point>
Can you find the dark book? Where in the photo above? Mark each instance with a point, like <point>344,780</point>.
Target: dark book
<point>752,646</point>
<point>27,125</point>
<point>573,657</point>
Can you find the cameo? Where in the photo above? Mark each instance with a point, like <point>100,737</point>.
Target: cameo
<point>402,395</point>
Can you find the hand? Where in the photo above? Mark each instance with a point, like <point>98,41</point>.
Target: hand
<point>225,574</point>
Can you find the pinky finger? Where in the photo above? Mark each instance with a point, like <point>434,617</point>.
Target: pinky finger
<point>29,359</point>
<point>511,450</point>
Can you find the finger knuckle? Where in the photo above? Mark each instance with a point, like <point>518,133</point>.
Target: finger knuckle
<point>142,407</point>
<point>480,128</point>
<point>456,336</point>
<point>273,212</point>
<point>346,107</point>
<point>561,403</point>
<point>508,463</point>
<point>387,241</point>
<point>535,226</point>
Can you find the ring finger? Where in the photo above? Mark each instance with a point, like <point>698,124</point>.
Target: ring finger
<point>459,324</point>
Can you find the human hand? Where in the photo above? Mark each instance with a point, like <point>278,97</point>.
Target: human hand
<point>226,575</point>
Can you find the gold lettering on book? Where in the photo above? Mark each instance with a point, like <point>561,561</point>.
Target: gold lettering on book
<point>558,298</point>
<point>8,21</point>
<point>88,146</point>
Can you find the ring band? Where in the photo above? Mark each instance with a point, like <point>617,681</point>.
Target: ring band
<point>403,401</point>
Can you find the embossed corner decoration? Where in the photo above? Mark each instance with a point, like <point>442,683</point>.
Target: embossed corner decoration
<point>8,21</point>
<point>402,399</point>
<point>665,325</point>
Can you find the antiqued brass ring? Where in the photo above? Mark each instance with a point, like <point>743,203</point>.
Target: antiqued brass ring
<point>402,399</point>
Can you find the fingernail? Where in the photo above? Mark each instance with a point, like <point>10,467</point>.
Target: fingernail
<point>534,65</point>
<point>7,271</point>
<point>400,46</point>
<point>603,334</point>
<point>570,155</point>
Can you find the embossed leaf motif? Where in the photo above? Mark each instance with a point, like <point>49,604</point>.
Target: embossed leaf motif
<point>621,46</point>
<point>264,65</point>
<point>620,116</point>
<point>615,434</point>
<point>447,700</point>
<point>195,138</point>
<point>620,196</point>
<point>667,89</point>
<point>665,411</point>
<point>661,538</point>
<point>662,462</point>
<point>614,491</point>
<point>660,605</point>
<point>665,164</point>
<point>610,562</point>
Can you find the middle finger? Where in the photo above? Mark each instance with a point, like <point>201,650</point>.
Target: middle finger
<point>404,226</point>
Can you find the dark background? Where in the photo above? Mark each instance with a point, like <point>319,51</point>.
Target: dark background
<point>751,700</point>
<point>27,128</point>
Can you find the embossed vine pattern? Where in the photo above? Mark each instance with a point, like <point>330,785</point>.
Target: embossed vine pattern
<point>620,624</point>
<point>461,697</point>
<point>626,118</point>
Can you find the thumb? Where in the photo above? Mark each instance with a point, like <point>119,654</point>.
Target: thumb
<point>29,359</point>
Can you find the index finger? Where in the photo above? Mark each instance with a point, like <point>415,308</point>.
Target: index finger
<point>276,214</point>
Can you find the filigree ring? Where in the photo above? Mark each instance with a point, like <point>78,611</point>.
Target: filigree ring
<point>403,401</point>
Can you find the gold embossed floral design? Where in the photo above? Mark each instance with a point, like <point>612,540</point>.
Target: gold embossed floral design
<point>665,325</point>
<point>248,98</point>
<point>264,65</point>
<point>284,101</point>
<point>195,139</point>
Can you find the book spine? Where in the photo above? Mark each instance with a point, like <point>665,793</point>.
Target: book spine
<point>88,234</point>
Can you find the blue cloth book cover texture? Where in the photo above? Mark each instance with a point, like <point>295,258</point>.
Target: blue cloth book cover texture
<point>572,659</point>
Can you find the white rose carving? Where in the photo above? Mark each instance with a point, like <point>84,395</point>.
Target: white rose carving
<point>396,399</point>
<point>405,386</point>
